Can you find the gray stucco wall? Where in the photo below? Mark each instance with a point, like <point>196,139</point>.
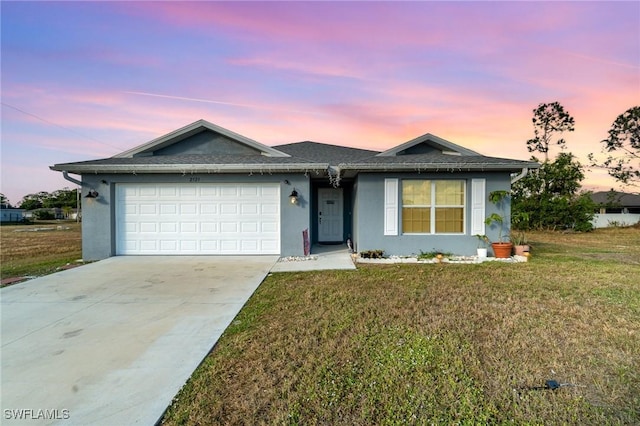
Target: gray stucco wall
<point>369,216</point>
<point>99,215</point>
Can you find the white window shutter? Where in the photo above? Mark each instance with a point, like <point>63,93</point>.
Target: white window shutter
<point>391,207</point>
<point>477,206</point>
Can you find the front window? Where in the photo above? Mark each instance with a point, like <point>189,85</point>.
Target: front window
<point>433,206</point>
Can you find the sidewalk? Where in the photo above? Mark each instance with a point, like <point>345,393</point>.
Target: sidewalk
<point>323,257</point>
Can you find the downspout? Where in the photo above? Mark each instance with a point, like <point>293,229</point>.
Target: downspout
<point>522,174</point>
<point>70,179</point>
<point>79,183</point>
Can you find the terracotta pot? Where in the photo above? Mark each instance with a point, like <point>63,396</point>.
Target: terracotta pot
<point>502,250</point>
<point>521,249</point>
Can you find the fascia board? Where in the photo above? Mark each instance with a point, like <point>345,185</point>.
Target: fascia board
<point>187,168</point>
<point>382,167</point>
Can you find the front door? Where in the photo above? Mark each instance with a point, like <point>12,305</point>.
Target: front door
<point>330,217</point>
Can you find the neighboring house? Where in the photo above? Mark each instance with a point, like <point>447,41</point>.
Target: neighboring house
<point>51,212</point>
<point>10,214</point>
<point>616,209</point>
<point>203,189</point>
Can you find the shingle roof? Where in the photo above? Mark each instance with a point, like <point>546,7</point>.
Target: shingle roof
<point>619,198</point>
<point>300,156</point>
<point>315,151</point>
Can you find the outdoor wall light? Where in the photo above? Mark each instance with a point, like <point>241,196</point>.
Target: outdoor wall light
<point>293,198</point>
<point>92,194</point>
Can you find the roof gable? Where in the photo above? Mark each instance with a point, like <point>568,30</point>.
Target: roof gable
<point>201,137</point>
<point>427,144</point>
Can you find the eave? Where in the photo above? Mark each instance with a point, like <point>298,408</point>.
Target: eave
<point>437,167</point>
<point>188,168</point>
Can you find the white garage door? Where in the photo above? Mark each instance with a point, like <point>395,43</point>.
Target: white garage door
<point>197,218</point>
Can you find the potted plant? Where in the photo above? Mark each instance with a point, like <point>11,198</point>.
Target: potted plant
<point>483,242</point>
<point>520,243</point>
<point>501,249</point>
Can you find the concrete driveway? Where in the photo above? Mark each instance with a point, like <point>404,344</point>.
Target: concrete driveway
<point>112,342</point>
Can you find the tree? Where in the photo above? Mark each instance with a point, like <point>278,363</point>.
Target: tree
<point>34,201</point>
<point>623,146</point>
<point>60,198</point>
<point>549,119</point>
<point>5,201</point>
<point>551,198</point>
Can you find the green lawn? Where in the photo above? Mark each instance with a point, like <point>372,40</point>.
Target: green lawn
<point>435,344</point>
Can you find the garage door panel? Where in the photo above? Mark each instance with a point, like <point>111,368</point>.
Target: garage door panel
<point>269,209</point>
<point>269,245</point>
<point>188,191</point>
<point>189,227</point>
<point>249,209</point>
<point>249,227</point>
<point>168,227</point>
<point>269,227</point>
<point>168,191</point>
<point>228,208</point>
<point>167,209</point>
<point>168,246</point>
<point>148,209</point>
<point>189,245</point>
<point>249,191</point>
<point>147,246</point>
<point>131,210</point>
<point>208,208</point>
<point>148,227</point>
<point>209,246</point>
<point>229,227</point>
<point>208,191</point>
<point>188,209</point>
<point>198,219</point>
<point>229,246</point>
<point>229,191</point>
<point>250,245</point>
<point>209,227</point>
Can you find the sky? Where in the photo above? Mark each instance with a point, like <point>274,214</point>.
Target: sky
<point>88,80</point>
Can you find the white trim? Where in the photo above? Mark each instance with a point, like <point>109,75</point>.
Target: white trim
<point>391,206</point>
<point>478,206</point>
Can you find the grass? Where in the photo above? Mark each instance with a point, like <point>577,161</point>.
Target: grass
<point>435,344</point>
<point>27,252</point>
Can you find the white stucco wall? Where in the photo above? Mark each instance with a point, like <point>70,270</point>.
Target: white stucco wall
<point>605,220</point>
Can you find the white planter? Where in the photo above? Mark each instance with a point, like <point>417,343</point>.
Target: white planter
<point>482,253</point>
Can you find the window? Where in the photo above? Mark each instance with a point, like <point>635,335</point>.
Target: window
<point>433,206</point>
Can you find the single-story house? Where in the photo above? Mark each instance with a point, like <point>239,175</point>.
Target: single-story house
<point>203,189</point>
<point>616,209</point>
<point>51,212</point>
<point>11,214</point>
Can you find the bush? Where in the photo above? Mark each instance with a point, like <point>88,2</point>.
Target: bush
<point>372,254</point>
<point>44,215</point>
<point>551,199</point>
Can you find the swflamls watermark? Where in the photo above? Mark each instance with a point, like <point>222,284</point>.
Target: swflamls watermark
<point>36,414</point>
